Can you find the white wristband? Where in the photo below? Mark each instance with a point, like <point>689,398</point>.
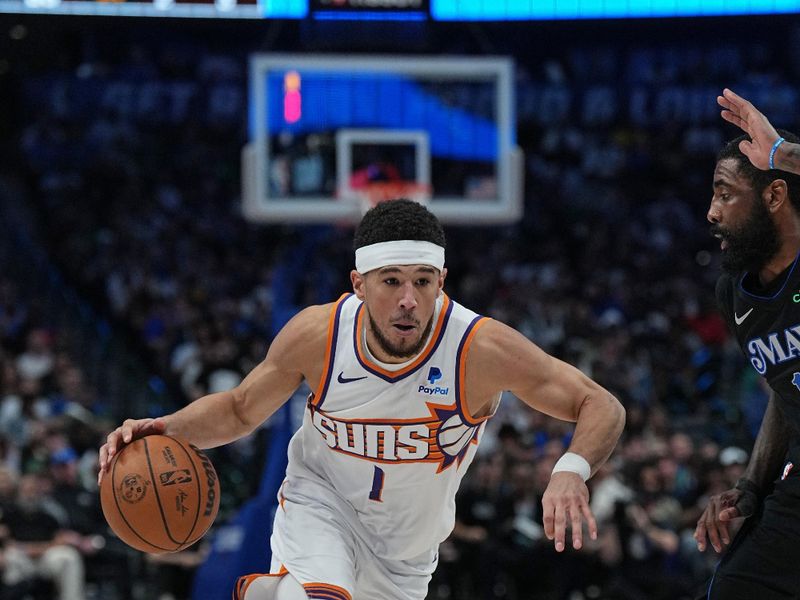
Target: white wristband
<point>574,463</point>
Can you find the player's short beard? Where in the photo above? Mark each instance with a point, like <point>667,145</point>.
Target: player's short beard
<point>394,350</point>
<point>751,244</point>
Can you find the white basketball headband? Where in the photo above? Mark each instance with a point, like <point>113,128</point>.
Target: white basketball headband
<point>400,252</point>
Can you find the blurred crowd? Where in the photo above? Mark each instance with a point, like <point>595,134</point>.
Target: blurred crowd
<point>53,539</point>
<point>612,269</point>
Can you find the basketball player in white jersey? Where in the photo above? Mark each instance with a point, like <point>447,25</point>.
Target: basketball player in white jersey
<point>404,379</point>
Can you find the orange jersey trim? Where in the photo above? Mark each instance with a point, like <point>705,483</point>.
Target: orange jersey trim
<point>330,350</point>
<point>461,366</point>
<point>326,591</point>
<point>245,580</point>
<point>432,345</point>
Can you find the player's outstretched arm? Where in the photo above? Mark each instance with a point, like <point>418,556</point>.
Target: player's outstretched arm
<point>562,391</point>
<point>749,119</point>
<point>223,417</point>
<point>768,452</point>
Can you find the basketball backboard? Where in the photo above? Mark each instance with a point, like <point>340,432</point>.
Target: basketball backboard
<point>327,130</point>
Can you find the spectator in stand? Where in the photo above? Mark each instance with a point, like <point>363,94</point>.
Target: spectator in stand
<point>35,546</point>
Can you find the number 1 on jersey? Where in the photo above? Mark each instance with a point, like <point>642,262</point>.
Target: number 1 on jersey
<point>377,485</point>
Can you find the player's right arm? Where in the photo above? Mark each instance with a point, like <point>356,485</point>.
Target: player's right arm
<point>765,462</point>
<point>216,419</point>
<point>749,119</point>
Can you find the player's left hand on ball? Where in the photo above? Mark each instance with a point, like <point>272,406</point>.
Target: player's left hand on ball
<point>566,502</point>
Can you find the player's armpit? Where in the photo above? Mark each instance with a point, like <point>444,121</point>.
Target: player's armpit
<point>296,353</point>
<point>220,418</point>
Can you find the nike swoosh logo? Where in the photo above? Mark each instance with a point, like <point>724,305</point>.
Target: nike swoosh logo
<point>342,379</point>
<point>739,320</point>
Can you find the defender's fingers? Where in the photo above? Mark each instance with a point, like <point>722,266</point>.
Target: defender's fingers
<point>700,534</point>
<point>747,148</point>
<point>729,514</point>
<point>712,526</point>
<point>735,98</point>
<point>725,103</point>
<point>731,117</point>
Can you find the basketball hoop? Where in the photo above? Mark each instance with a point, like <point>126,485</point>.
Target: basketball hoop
<point>373,194</point>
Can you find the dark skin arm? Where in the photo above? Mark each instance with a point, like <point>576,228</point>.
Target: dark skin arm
<point>765,463</point>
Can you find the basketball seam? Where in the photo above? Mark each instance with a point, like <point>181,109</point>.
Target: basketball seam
<point>158,497</point>
<point>122,513</point>
<point>199,494</point>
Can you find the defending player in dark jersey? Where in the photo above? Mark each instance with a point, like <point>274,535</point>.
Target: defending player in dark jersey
<point>756,216</point>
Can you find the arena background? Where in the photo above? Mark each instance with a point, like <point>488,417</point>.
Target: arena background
<point>130,283</point>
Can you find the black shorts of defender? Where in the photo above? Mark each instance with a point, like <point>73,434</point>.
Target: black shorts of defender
<point>763,563</point>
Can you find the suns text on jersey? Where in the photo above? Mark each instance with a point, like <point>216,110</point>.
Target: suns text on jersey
<point>382,441</point>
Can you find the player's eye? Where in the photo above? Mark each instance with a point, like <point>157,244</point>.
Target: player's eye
<point>390,281</point>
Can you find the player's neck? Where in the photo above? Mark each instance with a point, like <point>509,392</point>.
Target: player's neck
<point>381,358</point>
<point>783,259</point>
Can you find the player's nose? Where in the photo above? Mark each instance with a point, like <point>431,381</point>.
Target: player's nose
<point>713,215</point>
<point>407,299</point>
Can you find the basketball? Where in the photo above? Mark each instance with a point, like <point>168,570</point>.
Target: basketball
<point>161,494</point>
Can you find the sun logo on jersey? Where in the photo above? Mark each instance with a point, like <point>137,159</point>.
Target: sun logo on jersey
<point>453,435</point>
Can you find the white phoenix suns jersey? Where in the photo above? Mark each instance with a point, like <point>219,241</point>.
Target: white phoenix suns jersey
<point>388,448</point>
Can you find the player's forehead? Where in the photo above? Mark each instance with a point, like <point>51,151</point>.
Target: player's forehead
<point>727,173</point>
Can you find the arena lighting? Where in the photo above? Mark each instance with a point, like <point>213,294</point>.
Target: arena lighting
<point>406,10</point>
<point>292,99</point>
<point>522,10</point>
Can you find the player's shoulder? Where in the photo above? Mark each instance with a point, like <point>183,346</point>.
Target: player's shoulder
<point>309,328</point>
<point>725,283</point>
<point>724,291</point>
<point>492,340</point>
<point>312,320</point>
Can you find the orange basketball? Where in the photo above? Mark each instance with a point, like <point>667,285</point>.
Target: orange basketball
<point>160,495</point>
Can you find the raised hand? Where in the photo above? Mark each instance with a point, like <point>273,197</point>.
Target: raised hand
<point>749,119</point>
<point>566,499</point>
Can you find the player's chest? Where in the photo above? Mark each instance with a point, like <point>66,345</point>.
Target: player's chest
<point>769,336</point>
<point>355,392</point>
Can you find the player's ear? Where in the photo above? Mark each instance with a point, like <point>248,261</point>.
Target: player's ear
<point>442,277</point>
<point>776,194</point>
<point>357,279</point>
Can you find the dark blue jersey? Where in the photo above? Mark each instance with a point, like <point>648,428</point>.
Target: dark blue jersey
<point>766,322</point>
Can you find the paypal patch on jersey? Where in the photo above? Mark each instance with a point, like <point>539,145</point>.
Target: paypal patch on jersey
<point>434,375</point>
